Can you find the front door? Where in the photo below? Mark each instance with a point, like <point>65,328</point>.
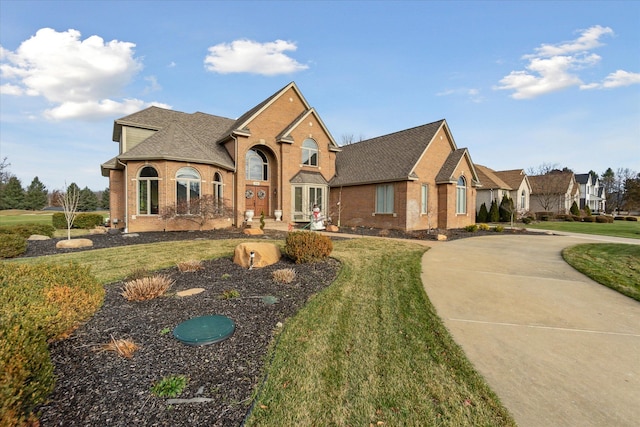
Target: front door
<point>257,198</point>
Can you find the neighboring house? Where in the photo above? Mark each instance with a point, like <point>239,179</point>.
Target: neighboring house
<point>411,180</point>
<point>278,159</point>
<point>554,192</point>
<point>591,194</point>
<point>495,184</point>
<point>493,188</point>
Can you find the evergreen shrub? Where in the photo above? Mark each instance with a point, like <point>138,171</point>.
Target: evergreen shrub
<point>575,210</point>
<point>630,218</point>
<point>26,230</point>
<point>483,214</point>
<point>603,219</point>
<point>307,246</point>
<point>38,304</point>
<point>12,245</point>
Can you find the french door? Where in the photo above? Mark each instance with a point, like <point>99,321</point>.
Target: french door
<point>305,196</point>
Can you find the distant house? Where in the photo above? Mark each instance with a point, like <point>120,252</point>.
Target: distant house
<point>280,159</point>
<point>554,192</point>
<point>412,179</point>
<point>591,193</point>
<point>495,185</point>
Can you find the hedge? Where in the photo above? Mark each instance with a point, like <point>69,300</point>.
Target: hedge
<point>38,303</point>
<point>82,220</point>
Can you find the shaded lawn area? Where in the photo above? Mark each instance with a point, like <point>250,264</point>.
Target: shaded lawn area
<point>614,265</point>
<point>628,229</point>
<point>371,350</point>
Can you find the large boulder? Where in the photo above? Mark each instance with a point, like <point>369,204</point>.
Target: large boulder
<point>74,243</point>
<point>264,254</point>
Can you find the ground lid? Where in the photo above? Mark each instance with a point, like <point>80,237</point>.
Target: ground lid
<point>204,330</point>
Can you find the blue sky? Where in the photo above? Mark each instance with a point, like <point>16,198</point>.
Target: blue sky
<point>520,83</point>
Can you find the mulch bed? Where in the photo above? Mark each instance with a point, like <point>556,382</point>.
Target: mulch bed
<point>100,388</point>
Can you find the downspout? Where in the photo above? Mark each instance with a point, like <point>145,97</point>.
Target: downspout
<point>235,171</point>
<point>126,195</point>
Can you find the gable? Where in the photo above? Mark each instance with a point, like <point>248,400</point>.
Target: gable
<point>490,179</point>
<point>448,172</point>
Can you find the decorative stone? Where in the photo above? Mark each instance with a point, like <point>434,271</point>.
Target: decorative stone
<point>333,228</point>
<point>74,244</point>
<point>441,237</point>
<point>98,230</point>
<point>189,292</point>
<point>127,235</point>
<point>38,237</point>
<point>253,231</point>
<point>264,254</point>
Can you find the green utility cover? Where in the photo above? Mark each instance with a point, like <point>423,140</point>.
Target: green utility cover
<point>204,330</point>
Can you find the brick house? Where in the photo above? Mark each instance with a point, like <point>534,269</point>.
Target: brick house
<point>414,179</point>
<point>279,159</point>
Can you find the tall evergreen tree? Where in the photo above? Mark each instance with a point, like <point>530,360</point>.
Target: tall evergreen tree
<point>483,214</point>
<point>88,200</point>
<point>104,202</point>
<point>36,196</point>
<point>12,196</point>
<point>506,208</point>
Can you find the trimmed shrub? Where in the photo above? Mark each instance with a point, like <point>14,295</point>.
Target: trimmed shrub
<point>587,211</point>
<point>87,220</point>
<point>576,218</point>
<point>618,218</point>
<point>604,219</point>
<point>38,303</point>
<point>82,220</point>
<point>544,216</point>
<point>12,245</point>
<point>526,220</point>
<point>630,218</point>
<point>306,246</point>
<point>589,219</point>
<point>471,228</point>
<point>27,230</point>
<point>498,229</point>
<point>59,221</point>
<point>483,227</point>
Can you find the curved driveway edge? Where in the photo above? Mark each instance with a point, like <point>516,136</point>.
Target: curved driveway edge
<point>558,348</point>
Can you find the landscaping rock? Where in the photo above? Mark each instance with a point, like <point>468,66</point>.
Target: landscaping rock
<point>189,292</point>
<point>128,235</point>
<point>441,237</point>
<point>74,243</point>
<point>38,237</point>
<point>98,230</point>
<point>264,254</point>
<point>253,231</point>
<point>333,228</point>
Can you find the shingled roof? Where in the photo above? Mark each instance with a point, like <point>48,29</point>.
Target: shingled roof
<point>552,183</point>
<point>513,178</point>
<point>490,179</point>
<point>386,158</point>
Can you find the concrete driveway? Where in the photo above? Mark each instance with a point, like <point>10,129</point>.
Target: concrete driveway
<point>558,348</point>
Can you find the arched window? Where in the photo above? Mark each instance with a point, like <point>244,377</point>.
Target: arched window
<point>148,191</point>
<point>461,196</point>
<point>257,167</point>
<point>523,199</point>
<point>309,153</point>
<point>187,190</point>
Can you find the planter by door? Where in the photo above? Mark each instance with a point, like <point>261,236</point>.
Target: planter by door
<point>278,214</point>
<point>248,215</point>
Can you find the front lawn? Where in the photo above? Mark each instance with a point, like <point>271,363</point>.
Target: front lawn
<point>629,229</point>
<point>371,350</point>
<point>614,265</point>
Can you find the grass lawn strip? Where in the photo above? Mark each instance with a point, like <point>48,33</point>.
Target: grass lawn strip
<point>614,265</point>
<point>371,349</point>
<point>628,229</point>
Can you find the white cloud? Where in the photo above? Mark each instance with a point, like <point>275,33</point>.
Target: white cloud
<point>78,76</point>
<point>247,56</point>
<point>555,67</point>
<point>472,94</point>
<point>9,89</point>
<point>98,109</point>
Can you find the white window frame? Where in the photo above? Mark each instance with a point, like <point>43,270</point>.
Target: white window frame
<point>304,196</point>
<point>310,153</point>
<point>255,159</point>
<point>424,199</point>
<point>385,199</point>
<point>147,181</point>
<point>188,177</point>
<point>461,196</point>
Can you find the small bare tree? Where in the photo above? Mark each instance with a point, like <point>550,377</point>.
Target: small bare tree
<point>69,202</point>
<point>200,210</point>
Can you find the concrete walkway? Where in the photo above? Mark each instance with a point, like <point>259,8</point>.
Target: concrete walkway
<point>558,348</point>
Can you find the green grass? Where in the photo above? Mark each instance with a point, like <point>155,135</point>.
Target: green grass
<point>630,229</point>
<point>17,216</point>
<point>371,349</point>
<point>368,349</point>
<point>614,265</point>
